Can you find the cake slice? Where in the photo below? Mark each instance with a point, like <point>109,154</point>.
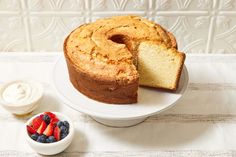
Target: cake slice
<point>159,66</point>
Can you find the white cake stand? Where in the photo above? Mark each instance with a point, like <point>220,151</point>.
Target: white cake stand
<point>150,101</point>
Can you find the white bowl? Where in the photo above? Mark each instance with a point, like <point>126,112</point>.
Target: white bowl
<point>21,109</point>
<point>150,101</point>
<point>51,148</point>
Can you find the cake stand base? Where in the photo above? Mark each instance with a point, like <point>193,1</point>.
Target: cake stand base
<point>119,123</point>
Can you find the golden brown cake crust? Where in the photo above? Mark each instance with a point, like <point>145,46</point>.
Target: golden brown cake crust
<point>101,89</point>
<point>100,60</point>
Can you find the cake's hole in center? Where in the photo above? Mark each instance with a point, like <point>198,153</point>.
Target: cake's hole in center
<point>120,39</point>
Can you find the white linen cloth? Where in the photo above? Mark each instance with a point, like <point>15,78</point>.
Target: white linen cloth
<point>203,123</point>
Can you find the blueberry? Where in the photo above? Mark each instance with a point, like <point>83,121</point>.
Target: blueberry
<point>66,124</point>
<point>63,129</point>
<point>50,139</point>
<point>63,135</point>
<point>47,141</point>
<point>60,123</point>
<point>44,136</point>
<point>42,139</point>
<point>46,118</point>
<point>34,136</point>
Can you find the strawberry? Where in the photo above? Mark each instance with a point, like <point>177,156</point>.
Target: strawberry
<point>49,130</point>
<point>41,116</point>
<point>57,133</point>
<point>37,122</point>
<point>50,114</point>
<point>30,129</point>
<point>54,121</point>
<point>41,128</point>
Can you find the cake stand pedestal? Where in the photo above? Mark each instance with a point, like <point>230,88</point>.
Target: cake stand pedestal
<point>119,123</point>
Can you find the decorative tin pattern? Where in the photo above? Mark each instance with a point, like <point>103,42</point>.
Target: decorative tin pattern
<point>200,26</point>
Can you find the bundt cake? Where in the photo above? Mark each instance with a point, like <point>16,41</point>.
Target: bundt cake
<point>108,59</point>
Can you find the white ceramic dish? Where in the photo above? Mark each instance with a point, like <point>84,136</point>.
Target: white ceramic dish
<point>150,101</point>
<point>51,148</point>
<point>27,107</point>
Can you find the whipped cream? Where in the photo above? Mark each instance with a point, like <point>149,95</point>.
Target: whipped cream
<point>20,92</point>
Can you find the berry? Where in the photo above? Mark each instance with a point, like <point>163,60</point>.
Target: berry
<point>49,130</point>
<point>30,129</point>
<point>63,129</point>
<point>54,121</point>
<point>57,133</point>
<point>51,139</point>
<point>50,114</point>
<point>44,136</point>
<point>66,124</point>
<point>41,116</point>
<point>46,118</point>
<point>37,122</point>
<point>60,123</point>
<point>41,128</point>
<point>63,135</point>
<point>42,139</point>
<point>34,136</point>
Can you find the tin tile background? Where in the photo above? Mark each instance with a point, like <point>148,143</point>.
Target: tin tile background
<point>200,26</point>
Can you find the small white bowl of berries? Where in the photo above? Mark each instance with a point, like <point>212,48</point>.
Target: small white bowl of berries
<point>49,133</point>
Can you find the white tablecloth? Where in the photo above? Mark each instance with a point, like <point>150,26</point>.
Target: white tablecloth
<point>203,123</point>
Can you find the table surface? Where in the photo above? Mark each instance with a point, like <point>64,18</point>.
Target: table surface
<point>203,123</point>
